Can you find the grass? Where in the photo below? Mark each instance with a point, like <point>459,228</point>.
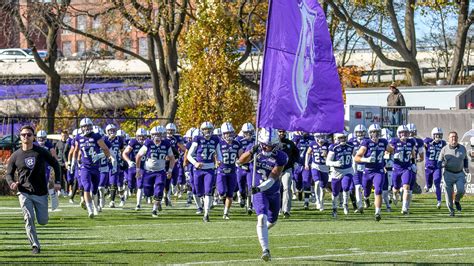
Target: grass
<point>178,236</point>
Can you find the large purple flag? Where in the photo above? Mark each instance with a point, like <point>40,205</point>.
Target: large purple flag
<point>300,87</point>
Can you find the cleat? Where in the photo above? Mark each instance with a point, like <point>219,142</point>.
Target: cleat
<point>226,217</point>
<point>96,211</point>
<point>426,189</point>
<point>138,207</point>
<point>286,215</point>
<point>154,213</point>
<point>438,205</point>
<point>378,217</point>
<point>71,201</point>
<point>318,205</point>
<point>294,197</point>
<point>389,209</point>
<point>306,206</point>
<point>159,207</point>
<point>242,203</point>
<point>35,250</point>
<point>334,213</point>
<point>205,218</point>
<point>83,205</point>
<point>404,212</point>
<point>451,213</point>
<point>122,203</point>
<point>321,209</point>
<point>366,203</point>
<point>266,255</point>
<point>91,215</point>
<point>359,210</point>
<point>458,206</point>
<point>112,204</point>
<point>346,209</point>
<point>199,211</point>
<point>249,211</point>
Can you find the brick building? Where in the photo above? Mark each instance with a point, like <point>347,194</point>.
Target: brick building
<point>120,32</point>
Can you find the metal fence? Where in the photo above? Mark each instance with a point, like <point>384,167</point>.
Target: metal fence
<point>10,126</point>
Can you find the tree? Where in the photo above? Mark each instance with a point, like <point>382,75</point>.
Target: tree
<point>465,20</point>
<point>403,42</point>
<point>162,23</point>
<point>210,87</point>
<point>41,21</point>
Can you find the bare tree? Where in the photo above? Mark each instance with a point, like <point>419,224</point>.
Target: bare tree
<point>403,42</point>
<point>162,22</point>
<point>41,20</point>
<point>465,20</point>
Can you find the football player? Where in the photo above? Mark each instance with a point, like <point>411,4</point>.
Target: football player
<point>433,147</point>
<point>129,155</point>
<point>315,161</point>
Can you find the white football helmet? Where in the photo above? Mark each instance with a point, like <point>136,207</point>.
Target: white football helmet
<point>437,134</point>
<point>98,130</point>
<point>158,133</point>
<point>121,133</point>
<point>412,129</point>
<point>386,133</point>
<point>227,131</point>
<point>375,131</point>
<point>341,138</point>
<point>41,137</point>
<point>248,130</point>
<point>140,135</point>
<point>217,131</point>
<point>75,132</point>
<point>86,126</point>
<point>268,139</point>
<point>206,129</point>
<point>196,132</point>
<point>171,129</point>
<point>189,133</point>
<point>111,130</point>
<point>402,132</point>
<point>360,131</point>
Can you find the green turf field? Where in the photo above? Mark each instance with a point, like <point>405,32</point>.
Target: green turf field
<point>179,236</point>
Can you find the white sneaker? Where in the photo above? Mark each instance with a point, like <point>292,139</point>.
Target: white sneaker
<point>91,215</point>
<point>122,203</point>
<point>112,204</point>
<point>96,211</point>
<point>71,201</point>
<point>318,205</point>
<point>438,205</point>
<point>346,209</point>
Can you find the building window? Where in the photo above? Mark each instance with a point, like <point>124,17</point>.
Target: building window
<point>67,49</point>
<point>82,22</point>
<point>96,23</point>
<point>126,27</point>
<point>143,47</point>
<point>95,46</point>
<point>127,45</point>
<point>81,47</point>
<point>67,21</point>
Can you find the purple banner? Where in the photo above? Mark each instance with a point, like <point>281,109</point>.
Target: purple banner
<point>300,87</point>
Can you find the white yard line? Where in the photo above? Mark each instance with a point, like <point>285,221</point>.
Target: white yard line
<point>377,253</point>
<point>188,240</point>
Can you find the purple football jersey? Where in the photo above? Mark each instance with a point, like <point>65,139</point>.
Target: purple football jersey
<point>402,152</point>
<point>303,143</point>
<point>206,148</point>
<point>157,152</point>
<point>135,145</point>
<point>319,152</point>
<point>433,149</point>
<point>230,153</point>
<point>116,145</point>
<point>375,150</point>
<point>342,153</point>
<point>89,147</point>
<point>265,165</point>
<point>419,144</point>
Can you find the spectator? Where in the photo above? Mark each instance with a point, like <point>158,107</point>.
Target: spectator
<point>395,98</point>
<point>453,158</point>
<point>470,105</point>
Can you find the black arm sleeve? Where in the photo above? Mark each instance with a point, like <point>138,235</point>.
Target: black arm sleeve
<point>11,168</point>
<point>54,163</point>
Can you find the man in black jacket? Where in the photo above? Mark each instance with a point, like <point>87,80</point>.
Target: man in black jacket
<point>62,150</point>
<point>29,162</point>
<point>292,152</point>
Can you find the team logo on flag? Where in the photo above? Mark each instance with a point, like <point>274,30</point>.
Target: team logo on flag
<point>30,162</point>
<point>302,75</point>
